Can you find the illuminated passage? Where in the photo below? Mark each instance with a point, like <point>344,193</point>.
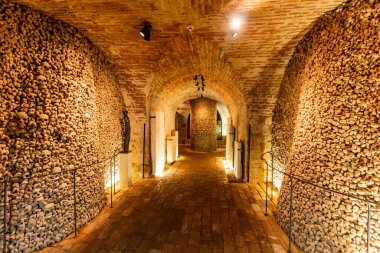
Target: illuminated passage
<point>191,208</point>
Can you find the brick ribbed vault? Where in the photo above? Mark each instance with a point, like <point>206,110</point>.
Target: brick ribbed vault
<point>173,78</point>
<point>243,72</point>
<point>252,64</point>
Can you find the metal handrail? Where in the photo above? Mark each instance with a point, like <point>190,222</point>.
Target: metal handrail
<point>319,186</point>
<point>115,153</point>
<point>5,181</point>
<point>325,189</point>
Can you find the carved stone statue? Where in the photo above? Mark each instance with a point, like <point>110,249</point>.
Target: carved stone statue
<point>127,132</point>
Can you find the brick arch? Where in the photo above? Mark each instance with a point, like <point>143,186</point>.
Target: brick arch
<point>172,97</point>
<point>174,72</point>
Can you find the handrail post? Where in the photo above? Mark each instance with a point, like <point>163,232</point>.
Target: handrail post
<point>248,151</point>
<point>75,203</point>
<point>271,192</point>
<point>295,179</point>
<point>368,227</point>
<point>266,190</point>
<point>290,215</point>
<point>143,156</point>
<point>5,218</point>
<point>111,180</point>
<point>114,172</point>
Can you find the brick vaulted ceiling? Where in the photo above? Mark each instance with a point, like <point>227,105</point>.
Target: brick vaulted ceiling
<point>244,70</point>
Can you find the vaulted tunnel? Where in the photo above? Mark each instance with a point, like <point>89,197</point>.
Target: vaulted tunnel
<point>296,85</point>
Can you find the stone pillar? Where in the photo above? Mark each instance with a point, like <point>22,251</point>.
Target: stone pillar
<point>237,160</point>
<point>203,124</point>
<point>157,138</point>
<point>230,144</point>
<point>125,169</point>
<point>170,149</point>
<point>176,145</point>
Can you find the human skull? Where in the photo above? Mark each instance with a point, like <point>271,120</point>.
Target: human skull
<point>4,152</point>
<point>19,144</point>
<point>46,153</point>
<point>22,119</point>
<point>61,116</point>
<point>43,120</point>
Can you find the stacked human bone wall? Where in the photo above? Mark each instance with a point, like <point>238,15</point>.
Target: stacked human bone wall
<point>326,130</point>
<point>59,111</point>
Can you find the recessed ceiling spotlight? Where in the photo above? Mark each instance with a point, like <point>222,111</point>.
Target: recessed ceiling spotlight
<point>190,28</point>
<point>145,31</point>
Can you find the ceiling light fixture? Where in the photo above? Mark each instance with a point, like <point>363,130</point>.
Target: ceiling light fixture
<point>190,28</point>
<point>236,22</point>
<point>235,25</point>
<point>145,31</point>
<point>200,86</point>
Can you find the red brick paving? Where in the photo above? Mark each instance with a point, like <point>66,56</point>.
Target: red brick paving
<point>192,208</point>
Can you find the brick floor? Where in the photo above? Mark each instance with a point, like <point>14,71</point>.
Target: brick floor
<point>192,208</point>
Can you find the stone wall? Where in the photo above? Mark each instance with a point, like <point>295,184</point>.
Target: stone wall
<point>203,124</point>
<point>326,129</point>
<point>59,110</point>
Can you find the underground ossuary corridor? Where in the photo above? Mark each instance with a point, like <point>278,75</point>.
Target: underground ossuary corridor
<point>190,126</point>
<point>191,208</point>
